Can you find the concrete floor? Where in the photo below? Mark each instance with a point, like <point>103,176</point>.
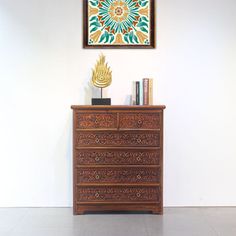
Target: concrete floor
<point>61,222</point>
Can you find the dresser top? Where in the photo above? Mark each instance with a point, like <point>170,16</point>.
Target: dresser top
<point>118,107</point>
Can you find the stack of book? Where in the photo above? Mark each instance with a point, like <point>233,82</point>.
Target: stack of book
<point>142,92</point>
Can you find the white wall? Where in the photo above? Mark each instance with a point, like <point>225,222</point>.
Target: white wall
<point>43,70</point>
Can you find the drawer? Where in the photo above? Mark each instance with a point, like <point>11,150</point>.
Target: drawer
<point>93,120</point>
<point>117,157</point>
<point>118,175</point>
<point>118,194</point>
<point>140,120</point>
<point>118,138</point>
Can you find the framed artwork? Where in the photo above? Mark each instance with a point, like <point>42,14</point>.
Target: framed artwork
<point>119,24</point>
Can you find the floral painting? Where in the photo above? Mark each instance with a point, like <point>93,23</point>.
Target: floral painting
<point>119,23</point>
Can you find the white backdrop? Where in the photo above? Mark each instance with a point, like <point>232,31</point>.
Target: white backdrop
<point>44,70</point>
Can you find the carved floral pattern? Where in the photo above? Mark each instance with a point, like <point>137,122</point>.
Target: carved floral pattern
<point>122,138</point>
<point>140,120</point>
<point>96,120</point>
<point>118,175</point>
<point>118,157</point>
<point>105,162</point>
<point>119,194</point>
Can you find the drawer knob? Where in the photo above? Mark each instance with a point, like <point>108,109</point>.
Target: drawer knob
<point>138,195</point>
<point>97,177</point>
<point>97,159</point>
<point>140,122</point>
<point>139,177</point>
<point>97,195</point>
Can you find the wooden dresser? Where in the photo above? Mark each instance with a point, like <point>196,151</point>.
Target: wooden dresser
<point>118,158</point>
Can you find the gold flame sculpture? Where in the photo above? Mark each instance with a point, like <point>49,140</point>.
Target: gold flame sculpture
<point>102,74</point>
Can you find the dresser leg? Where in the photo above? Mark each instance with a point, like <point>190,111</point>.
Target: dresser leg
<point>79,212</point>
<point>157,212</point>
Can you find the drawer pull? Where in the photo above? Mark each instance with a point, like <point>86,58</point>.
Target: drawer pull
<point>97,195</point>
<point>97,159</point>
<point>97,177</point>
<point>139,177</point>
<point>138,195</point>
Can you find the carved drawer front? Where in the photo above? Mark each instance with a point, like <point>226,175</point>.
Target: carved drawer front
<point>118,138</point>
<point>140,120</point>
<point>96,120</point>
<point>118,194</point>
<point>117,157</point>
<point>118,175</point>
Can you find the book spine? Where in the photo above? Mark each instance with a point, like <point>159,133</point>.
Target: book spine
<point>150,87</point>
<point>134,93</point>
<point>145,91</point>
<point>140,93</point>
<point>137,92</point>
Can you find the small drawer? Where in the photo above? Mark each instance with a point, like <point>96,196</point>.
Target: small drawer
<point>140,120</point>
<point>118,138</point>
<point>89,120</point>
<point>118,175</point>
<point>118,194</point>
<point>117,157</point>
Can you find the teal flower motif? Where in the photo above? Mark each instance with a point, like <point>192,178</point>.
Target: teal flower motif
<point>119,21</point>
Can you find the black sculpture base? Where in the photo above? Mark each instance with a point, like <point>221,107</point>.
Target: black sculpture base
<point>101,101</point>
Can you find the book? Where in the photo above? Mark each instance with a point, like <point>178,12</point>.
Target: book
<point>145,91</point>
<point>141,93</point>
<point>133,93</point>
<point>137,92</point>
<point>150,92</point>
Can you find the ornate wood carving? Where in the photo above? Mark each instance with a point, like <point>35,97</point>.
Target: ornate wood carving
<point>118,175</point>
<point>96,120</point>
<point>117,157</point>
<point>118,194</point>
<point>118,138</point>
<point>140,120</point>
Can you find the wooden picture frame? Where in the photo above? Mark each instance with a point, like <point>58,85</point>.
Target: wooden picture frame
<point>119,24</point>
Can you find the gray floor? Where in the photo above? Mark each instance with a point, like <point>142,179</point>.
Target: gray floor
<point>61,222</point>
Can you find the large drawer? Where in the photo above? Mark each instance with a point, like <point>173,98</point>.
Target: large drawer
<point>117,138</point>
<point>118,175</point>
<point>138,120</point>
<point>95,120</point>
<point>118,194</point>
<point>117,157</point>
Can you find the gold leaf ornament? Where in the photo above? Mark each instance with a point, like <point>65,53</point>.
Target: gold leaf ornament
<point>102,74</point>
